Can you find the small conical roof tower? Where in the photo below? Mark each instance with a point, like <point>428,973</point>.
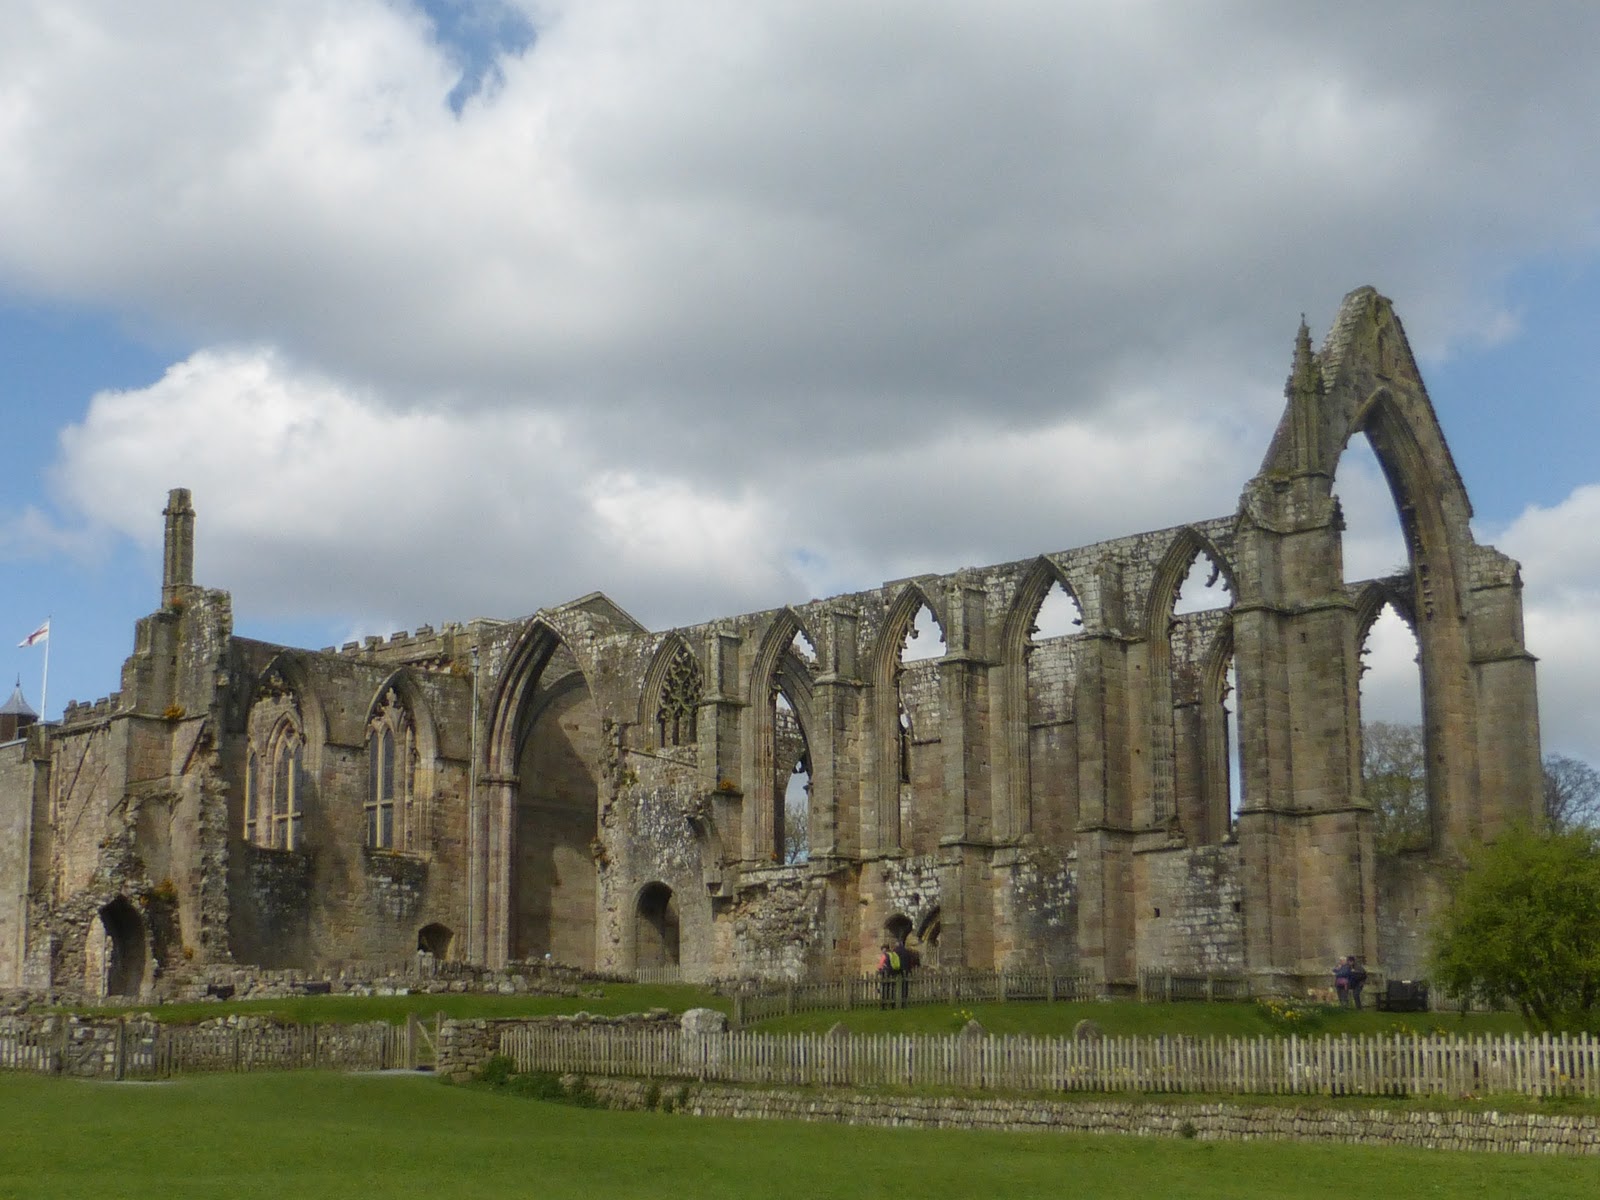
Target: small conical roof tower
<point>16,715</point>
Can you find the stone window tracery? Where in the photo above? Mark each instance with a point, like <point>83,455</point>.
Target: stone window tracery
<point>391,776</point>
<point>276,780</point>
<point>281,816</point>
<point>677,717</point>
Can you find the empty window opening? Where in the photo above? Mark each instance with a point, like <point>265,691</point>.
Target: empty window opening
<point>1394,760</point>
<point>1230,736</point>
<point>1204,587</point>
<point>793,783</point>
<point>1059,615</point>
<point>924,638</point>
<point>1374,543</point>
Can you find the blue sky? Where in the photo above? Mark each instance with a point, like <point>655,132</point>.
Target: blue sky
<point>463,309</point>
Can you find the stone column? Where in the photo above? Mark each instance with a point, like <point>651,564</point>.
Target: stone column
<point>177,559</point>
<point>835,746</point>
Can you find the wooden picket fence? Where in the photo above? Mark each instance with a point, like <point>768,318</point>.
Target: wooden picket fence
<point>1157,987</point>
<point>160,1051</point>
<point>1388,1065</point>
<point>914,988</point>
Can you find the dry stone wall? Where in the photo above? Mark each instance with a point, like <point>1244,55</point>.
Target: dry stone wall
<point>1526,1133</point>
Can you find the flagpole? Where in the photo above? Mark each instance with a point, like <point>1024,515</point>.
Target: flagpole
<point>44,686</point>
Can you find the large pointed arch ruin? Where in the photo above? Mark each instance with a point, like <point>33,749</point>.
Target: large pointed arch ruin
<point>1065,801</point>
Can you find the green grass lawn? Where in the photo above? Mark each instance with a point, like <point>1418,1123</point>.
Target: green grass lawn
<point>278,1135</point>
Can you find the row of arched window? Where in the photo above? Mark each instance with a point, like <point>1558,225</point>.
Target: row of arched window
<point>275,783</point>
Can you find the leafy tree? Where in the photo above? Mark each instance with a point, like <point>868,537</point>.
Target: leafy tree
<point>1394,778</point>
<point>1524,928</point>
<point>1571,793</point>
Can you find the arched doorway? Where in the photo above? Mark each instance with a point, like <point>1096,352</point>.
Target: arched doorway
<point>115,955</point>
<point>555,883</point>
<point>435,940</point>
<point>656,927</point>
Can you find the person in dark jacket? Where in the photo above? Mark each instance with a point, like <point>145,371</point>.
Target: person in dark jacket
<point>1358,980</point>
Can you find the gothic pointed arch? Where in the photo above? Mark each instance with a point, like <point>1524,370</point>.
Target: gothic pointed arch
<point>1181,737</point>
<point>779,671</point>
<point>897,623</point>
<point>1187,545</point>
<point>902,764</point>
<point>401,752</point>
<point>1037,782</point>
<point>1210,819</point>
<point>285,731</point>
<point>534,832</point>
<point>674,687</point>
<point>1374,596</point>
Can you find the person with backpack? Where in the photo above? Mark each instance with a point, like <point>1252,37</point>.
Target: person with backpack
<point>1341,982</point>
<point>891,971</point>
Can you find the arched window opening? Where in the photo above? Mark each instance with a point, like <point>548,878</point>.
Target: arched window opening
<point>924,638</point>
<point>1190,784</point>
<point>391,776</point>
<point>1374,541</point>
<point>1059,616</point>
<point>1230,734</point>
<point>1204,588</point>
<point>656,934</point>
<point>792,785</point>
<point>920,704</point>
<point>677,717</point>
<point>275,783</point>
<point>436,940</point>
<point>778,825</point>
<point>1394,759</point>
<point>285,826</point>
<point>1050,767</point>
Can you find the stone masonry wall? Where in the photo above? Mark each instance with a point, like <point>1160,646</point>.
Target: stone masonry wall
<point>1535,1133</point>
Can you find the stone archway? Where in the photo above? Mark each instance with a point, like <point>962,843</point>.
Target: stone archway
<point>116,953</point>
<point>656,927</point>
<point>436,940</point>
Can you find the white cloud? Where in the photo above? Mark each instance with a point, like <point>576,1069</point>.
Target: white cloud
<point>1561,563</point>
<point>717,305</point>
<point>311,499</point>
<point>722,212</point>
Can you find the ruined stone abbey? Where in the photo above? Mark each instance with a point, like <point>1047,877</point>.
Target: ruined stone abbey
<point>1153,788</point>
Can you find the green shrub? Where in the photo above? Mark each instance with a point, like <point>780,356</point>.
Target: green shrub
<point>537,1085</point>
<point>496,1070</point>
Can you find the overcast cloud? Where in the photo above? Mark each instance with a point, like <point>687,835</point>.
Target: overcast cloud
<point>717,305</point>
